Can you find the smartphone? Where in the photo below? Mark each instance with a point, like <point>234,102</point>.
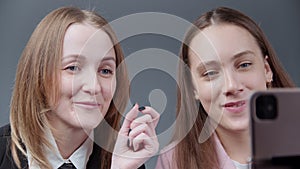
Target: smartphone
<point>275,129</point>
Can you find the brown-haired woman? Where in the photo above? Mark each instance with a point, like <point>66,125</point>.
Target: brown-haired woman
<point>225,56</point>
<point>71,80</point>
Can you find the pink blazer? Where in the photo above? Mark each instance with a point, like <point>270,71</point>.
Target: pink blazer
<point>165,159</point>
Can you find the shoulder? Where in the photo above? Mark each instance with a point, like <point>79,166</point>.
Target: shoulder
<point>6,160</point>
<point>5,146</point>
<point>5,137</point>
<point>5,131</point>
<point>166,157</point>
<point>224,160</point>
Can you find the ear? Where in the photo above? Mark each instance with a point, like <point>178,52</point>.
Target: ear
<point>268,70</point>
<point>196,95</point>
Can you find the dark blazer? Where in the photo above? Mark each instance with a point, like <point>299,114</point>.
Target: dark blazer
<point>7,162</point>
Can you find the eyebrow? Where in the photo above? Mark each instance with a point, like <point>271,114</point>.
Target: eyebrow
<point>214,63</point>
<point>72,56</point>
<point>107,58</point>
<point>240,54</point>
<point>82,57</point>
<point>202,66</point>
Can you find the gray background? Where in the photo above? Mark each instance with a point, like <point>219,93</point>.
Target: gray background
<point>280,20</point>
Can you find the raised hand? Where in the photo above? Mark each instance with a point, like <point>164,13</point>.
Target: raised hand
<point>137,140</point>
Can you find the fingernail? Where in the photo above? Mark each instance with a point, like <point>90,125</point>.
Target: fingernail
<point>129,131</point>
<point>142,108</point>
<point>133,105</point>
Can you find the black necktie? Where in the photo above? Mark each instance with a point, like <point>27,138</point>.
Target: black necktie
<point>67,166</point>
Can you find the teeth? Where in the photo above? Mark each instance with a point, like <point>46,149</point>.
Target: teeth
<point>235,105</point>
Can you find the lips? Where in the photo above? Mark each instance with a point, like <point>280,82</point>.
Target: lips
<point>87,105</point>
<point>235,107</point>
<point>235,104</point>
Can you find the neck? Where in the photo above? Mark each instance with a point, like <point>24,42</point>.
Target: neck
<point>68,138</point>
<point>69,141</point>
<point>236,144</point>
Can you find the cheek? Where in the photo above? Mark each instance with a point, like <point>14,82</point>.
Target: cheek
<point>68,86</point>
<point>108,89</point>
<point>64,104</point>
<point>255,82</point>
<point>208,94</point>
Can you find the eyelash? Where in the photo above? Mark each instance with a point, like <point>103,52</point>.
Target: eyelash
<point>209,73</point>
<point>107,71</point>
<point>244,65</point>
<point>71,68</point>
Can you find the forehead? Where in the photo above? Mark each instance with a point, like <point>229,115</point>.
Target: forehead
<point>222,41</point>
<point>84,39</point>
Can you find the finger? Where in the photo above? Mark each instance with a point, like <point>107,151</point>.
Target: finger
<point>153,113</point>
<point>130,116</point>
<point>140,120</point>
<point>143,128</point>
<point>138,128</point>
<point>145,145</point>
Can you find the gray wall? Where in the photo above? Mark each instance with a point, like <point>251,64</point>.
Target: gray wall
<point>151,86</point>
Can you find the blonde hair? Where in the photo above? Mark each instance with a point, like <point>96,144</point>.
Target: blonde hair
<point>189,153</point>
<point>37,83</point>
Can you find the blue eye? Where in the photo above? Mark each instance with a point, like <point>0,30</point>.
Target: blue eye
<point>210,73</point>
<point>72,68</point>
<point>245,65</point>
<point>106,71</point>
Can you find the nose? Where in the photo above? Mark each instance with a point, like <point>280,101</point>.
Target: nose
<point>232,84</point>
<point>91,84</point>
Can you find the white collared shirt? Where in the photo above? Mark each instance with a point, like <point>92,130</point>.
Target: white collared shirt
<point>79,158</point>
<point>241,166</point>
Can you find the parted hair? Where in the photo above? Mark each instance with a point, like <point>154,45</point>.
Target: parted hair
<point>189,153</point>
<point>37,84</point>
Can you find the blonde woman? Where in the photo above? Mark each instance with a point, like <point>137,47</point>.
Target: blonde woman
<point>71,80</point>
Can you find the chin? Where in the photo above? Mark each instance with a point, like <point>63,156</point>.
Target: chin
<point>87,127</point>
<point>90,123</point>
<point>241,128</point>
<point>89,119</point>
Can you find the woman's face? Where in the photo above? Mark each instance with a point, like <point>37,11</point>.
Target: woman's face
<point>88,78</point>
<point>227,66</point>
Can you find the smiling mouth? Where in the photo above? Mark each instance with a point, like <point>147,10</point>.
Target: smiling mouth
<point>235,104</point>
<point>235,107</point>
<point>87,105</point>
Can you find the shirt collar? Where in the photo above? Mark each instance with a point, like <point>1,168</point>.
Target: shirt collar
<point>79,158</point>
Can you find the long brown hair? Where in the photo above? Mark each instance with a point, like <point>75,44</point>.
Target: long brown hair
<point>37,83</point>
<point>189,153</point>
